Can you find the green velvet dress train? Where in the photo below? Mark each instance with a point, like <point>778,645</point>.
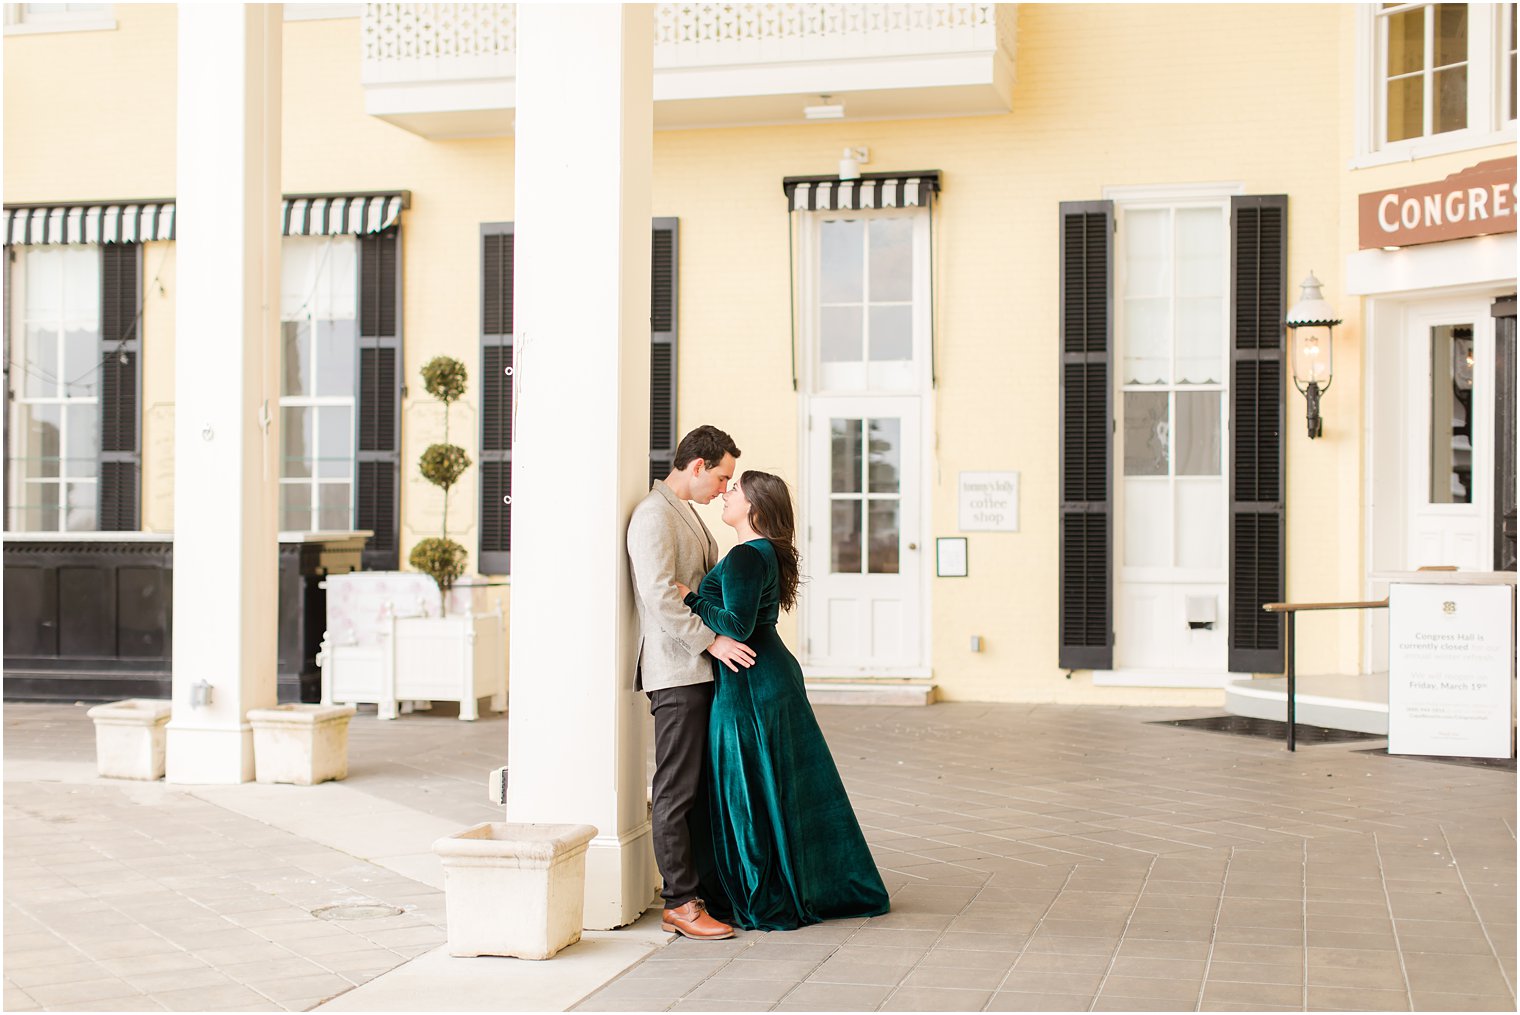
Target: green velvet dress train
<point>787,849</point>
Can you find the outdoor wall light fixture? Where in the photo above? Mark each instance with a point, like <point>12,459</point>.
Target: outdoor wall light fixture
<point>825,110</point>
<point>849,162</point>
<point>1312,323</point>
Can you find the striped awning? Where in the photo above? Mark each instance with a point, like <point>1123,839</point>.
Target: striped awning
<point>141,222</point>
<point>92,223</point>
<point>337,214</point>
<point>873,190</point>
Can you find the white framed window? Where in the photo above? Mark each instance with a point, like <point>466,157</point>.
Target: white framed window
<point>1173,320</point>
<point>55,382</point>
<point>865,303</point>
<point>1425,70</point>
<point>1171,409</point>
<point>1433,78</point>
<point>319,362</point>
<point>22,19</point>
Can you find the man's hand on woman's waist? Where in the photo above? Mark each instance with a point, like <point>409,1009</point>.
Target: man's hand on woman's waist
<point>729,652</point>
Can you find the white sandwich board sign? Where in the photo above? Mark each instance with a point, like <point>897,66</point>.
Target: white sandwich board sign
<point>1451,660</point>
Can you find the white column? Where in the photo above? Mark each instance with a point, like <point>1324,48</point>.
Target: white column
<point>226,385</point>
<point>580,452</point>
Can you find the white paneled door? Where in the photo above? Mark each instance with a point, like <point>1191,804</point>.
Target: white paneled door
<point>863,548</point>
<point>1449,437</point>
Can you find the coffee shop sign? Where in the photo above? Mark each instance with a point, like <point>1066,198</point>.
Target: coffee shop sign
<point>1473,202</point>
<point>989,502</point>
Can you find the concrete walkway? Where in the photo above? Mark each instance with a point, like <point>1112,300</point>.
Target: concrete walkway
<point>124,896</point>
<point>1040,858</point>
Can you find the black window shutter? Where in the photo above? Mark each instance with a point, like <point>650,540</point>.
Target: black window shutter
<point>662,352</point>
<point>496,249</point>
<point>496,254</point>
<point>1503,311</point>
<point>5,329</point>
<point>379,399</point>
<point>1087,610</point>
<point>119,485</point>
<point>1258,272</point>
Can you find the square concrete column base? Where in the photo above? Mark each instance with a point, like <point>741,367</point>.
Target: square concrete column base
<point>209,755</point>
<point>621,878</point>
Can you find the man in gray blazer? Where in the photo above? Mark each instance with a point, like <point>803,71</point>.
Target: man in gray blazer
<point>669,543</point>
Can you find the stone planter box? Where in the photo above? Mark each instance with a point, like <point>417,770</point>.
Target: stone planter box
<point>129,738</point>
<point>300,744</point>
<point>514,889</point>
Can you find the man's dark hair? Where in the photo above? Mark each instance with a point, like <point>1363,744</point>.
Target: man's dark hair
<point>707,443</point>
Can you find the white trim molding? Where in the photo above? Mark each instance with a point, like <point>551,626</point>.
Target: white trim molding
<point>96,24</point>
<point>886,675</point>
<point>1165,678</point>
<point>1481,260</point>
<point>322,12</point>
<point>1171,192</point>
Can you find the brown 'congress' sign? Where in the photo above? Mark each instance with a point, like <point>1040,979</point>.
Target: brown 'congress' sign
<point>1473,202</point>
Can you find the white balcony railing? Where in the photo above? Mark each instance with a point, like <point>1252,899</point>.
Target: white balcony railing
<point>442,69</point>
<point>419,42</point>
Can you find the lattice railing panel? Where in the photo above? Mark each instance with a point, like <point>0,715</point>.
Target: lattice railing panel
<point>461,40</point>
<point>401,41</point>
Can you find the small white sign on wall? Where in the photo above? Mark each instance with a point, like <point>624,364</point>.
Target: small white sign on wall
<point>950,557</point>
<point>989,502</point>
<point>1450,670</point>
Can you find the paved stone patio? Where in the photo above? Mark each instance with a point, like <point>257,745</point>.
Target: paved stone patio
<point>125,896</point>
<point>1058,858</point>
<point>1040,858</point>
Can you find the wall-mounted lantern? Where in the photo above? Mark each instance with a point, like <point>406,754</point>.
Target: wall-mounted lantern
<point>850,162</point>
<point>1312,324</point>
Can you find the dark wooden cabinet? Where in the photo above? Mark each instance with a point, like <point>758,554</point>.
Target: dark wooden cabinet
<point>92,619</point>
<point>88,620</point>
<point>303,607</point>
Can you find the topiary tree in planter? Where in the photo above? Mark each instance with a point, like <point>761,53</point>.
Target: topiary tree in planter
<point>442,464</point>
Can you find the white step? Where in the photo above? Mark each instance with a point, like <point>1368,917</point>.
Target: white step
<point>1356,701</point>
<point>856,692</point>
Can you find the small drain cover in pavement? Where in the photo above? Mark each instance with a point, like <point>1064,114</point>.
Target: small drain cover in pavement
<point>1503,764</point>
<point>1271,729</point>
<point>355,911</point>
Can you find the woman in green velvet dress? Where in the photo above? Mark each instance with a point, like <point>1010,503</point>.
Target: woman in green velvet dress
<point>787,849</point>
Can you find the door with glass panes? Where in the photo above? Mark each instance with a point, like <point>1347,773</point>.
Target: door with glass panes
<point>1171,531</point>
<point>863,557</point>
<point>1449,436</point>
<point>865,318</point>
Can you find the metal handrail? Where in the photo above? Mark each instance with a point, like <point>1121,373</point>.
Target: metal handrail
<point>1292,610</point>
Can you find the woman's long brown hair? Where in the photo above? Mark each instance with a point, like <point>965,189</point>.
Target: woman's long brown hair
<point>770,514</point>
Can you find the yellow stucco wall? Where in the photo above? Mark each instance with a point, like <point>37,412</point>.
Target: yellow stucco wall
<point>1116,117</point>
<point>104,129</point>
<point>1093,107</point>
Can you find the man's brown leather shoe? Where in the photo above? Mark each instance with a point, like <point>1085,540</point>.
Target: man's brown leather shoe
<point>691,920</point>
